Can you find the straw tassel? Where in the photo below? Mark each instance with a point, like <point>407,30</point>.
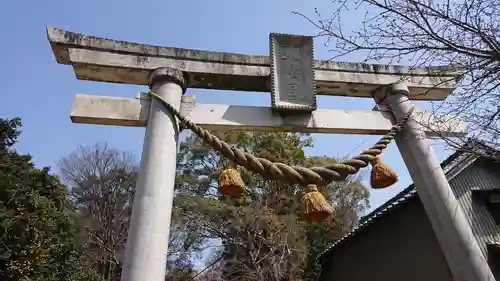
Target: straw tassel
<point>230,183</point>
<point>382,176</point>
<point>315,206</point>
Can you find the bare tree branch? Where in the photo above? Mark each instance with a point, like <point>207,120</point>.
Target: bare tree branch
<point>102,182</point>
<point>458,34</point>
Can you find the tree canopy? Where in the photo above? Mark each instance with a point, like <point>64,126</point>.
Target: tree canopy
<point>53,232</point>
<point>38,232</point>
<point>261,234</point>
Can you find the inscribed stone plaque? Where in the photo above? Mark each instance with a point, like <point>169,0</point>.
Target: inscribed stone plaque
<point>292,72</point>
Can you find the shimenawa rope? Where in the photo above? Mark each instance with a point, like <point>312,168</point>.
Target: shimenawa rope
<point>280,171</point>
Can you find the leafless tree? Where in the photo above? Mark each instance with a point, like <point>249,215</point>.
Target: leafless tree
<point>102,182</point>
<point>462,34</point>
<point>212,272</point>
<point>260,246</point>
<point>185,243</point>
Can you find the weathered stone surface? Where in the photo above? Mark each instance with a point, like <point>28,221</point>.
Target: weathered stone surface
<point>102,59</point>
<point>133,69</point>
<point>174,75</point>
<point>90,109</point>
<point>292,73</point>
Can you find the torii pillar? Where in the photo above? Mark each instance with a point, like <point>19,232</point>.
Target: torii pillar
<point>101,59</point>
<point>460,248</point>
<point>147,242</point>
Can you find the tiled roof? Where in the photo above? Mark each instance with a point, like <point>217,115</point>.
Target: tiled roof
<point>404,196</point>
<point>493,246</point>
<point>493,243</point>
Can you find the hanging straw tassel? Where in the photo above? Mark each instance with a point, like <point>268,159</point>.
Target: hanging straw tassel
<point>315,206</point>
<point>230,183</point>
<point>382,176</point>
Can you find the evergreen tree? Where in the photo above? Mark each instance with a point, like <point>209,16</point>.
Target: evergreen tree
<point>38,234</point>
<point>261,234</point>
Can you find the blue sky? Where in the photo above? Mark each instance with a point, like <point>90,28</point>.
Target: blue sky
<point>41,91</point>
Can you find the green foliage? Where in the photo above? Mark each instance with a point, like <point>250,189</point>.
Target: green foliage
<point>37,234</point>
<point>9,132</point>
<point>261,234</point>
<point>180,274</point>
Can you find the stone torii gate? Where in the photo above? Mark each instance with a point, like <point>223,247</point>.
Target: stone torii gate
<point>293,78</point>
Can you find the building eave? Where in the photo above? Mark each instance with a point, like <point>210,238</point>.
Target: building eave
<point>452,166</point>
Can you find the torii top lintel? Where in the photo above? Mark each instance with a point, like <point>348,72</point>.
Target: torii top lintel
<point>107,60</point>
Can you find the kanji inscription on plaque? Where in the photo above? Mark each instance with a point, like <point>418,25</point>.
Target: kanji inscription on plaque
<point>292,72</point>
